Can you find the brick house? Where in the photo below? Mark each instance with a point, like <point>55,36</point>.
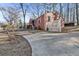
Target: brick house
<point>50,21</point>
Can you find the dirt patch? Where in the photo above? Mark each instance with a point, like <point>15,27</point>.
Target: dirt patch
<point>18,47</point>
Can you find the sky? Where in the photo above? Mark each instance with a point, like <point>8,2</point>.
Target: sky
<point>28,13</point>
<point>11,5</point>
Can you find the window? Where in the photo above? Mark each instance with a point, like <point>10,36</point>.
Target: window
<point>48,18</point>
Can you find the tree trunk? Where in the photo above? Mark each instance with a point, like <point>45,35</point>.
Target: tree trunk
<point>68,12</point>
<point>60,9</point>
<point>77,13</point>
<point>24,22</point>
<point>24,13</point>
<point>53,7</point>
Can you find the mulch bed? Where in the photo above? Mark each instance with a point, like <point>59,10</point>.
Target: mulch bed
<point>18,47</point>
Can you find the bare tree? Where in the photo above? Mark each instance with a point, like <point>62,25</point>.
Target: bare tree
<point>54,6</point>
<point>61,9</point>
<point>11,15</point>
<point>77,13</point>
<point>49,7</point>
<point>67,12</point>
<point>24,9</point>
<point>36,10</point>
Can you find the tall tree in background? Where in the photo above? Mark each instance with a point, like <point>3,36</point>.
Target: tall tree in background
<point>45,7</point>
<point>24,9</point>
<point>36,10</point>
<point>67,12</point>
<point>53,6</point>
<point>11,15</point>
<point>73,13</point>
<point>60,9</point>
<point>77,13</point>
<point>49,7</point>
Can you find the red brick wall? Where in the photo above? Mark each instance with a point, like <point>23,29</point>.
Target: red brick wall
<point>40,22</point>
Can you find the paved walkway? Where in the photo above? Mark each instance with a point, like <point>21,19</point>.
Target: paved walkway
<point>50,44</point>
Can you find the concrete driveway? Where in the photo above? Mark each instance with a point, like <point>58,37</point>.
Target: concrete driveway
<point>54,44</point>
